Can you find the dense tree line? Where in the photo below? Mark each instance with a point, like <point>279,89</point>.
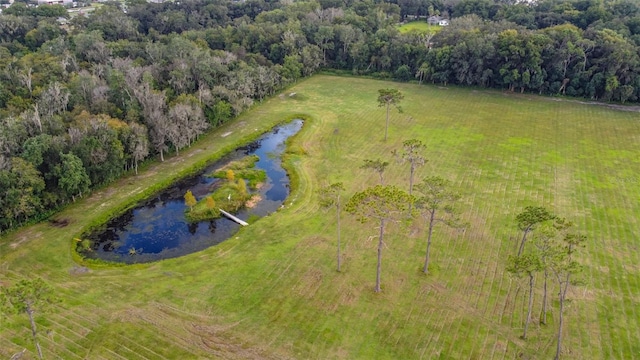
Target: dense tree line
<point>83,101</point>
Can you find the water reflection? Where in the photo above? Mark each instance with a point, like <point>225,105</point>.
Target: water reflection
<point>157,228</point>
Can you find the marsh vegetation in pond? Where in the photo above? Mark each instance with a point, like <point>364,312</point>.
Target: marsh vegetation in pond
<point>158,228</point>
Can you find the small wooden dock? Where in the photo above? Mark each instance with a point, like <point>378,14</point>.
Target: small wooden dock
<point>243,223</point>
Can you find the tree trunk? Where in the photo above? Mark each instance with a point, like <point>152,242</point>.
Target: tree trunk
<point>161,156</point>
<point>528,319</point>
<point>386,128</point>
<point>426,259</point>
<point>543,318</point>
<point>33,330</point>
<point>563,294</point>
<point>338,216</point>
<point>379,267</point>
<point>412,169</point>
<point>136,166</point>
<point>524,238</point>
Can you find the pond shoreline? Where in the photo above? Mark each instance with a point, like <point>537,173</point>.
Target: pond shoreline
<point>199,167</point>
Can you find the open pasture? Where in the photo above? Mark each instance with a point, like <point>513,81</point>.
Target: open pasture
<point>418,26</point>
<point>272,290</point>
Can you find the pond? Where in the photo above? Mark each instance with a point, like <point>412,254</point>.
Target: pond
<point>157,229</point>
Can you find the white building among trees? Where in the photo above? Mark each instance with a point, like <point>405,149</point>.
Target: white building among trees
<point>55,2</point>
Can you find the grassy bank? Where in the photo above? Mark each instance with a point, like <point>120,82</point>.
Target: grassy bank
<point>272,291</point>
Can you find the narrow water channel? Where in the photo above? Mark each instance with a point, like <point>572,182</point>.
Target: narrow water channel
<point>156,229</point>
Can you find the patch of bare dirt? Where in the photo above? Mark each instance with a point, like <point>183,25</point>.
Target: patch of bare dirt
<point>581,293</point>
<point>311,241</point>
<point>197,331</point>
<point>79,270</point>
<point>24,238</point>
<point>415,230</point>
<point>59,223</point>
<point>194,152</point>
<point>309,283</point>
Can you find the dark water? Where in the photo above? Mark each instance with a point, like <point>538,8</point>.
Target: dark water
<point>157,228</point>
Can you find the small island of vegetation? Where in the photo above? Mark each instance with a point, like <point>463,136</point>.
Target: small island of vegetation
<point>231,193</point>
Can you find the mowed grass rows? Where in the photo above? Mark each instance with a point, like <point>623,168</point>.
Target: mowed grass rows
<point>272,290</point>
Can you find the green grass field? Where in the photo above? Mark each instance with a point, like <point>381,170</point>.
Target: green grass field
<point>272,290</point>
<point>418,26</point>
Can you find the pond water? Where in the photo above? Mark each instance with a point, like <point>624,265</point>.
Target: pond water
<point>157,229</point>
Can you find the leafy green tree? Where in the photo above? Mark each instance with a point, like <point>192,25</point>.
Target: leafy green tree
<point>21,187</point>
<point>381,203</point>
<point>403,73</point>
<point>324,39</point>
<point>190,200</point>
<point>387,98</point>
<point>220,113</point>
<point>53,11</point>
<point>29,296</point>
<point>311,59</point>
<point>72,176</point>
<point>529,219</point>
<point>291,68</point>
<point>101,151</point>
<point>330,197</point>
<point>436,206</point>
<point>113,23</point>
<point>378,166</point>
<point>35,147</point>
<point>423,72</point>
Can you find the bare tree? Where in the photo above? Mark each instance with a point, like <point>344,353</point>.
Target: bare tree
<point>376,165</point>
<point>53,100</point>
<point>187,123</point>
<point>138,144</point>
<point>33,117</point>
<point>153,107</point>
<point>26,79</point>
